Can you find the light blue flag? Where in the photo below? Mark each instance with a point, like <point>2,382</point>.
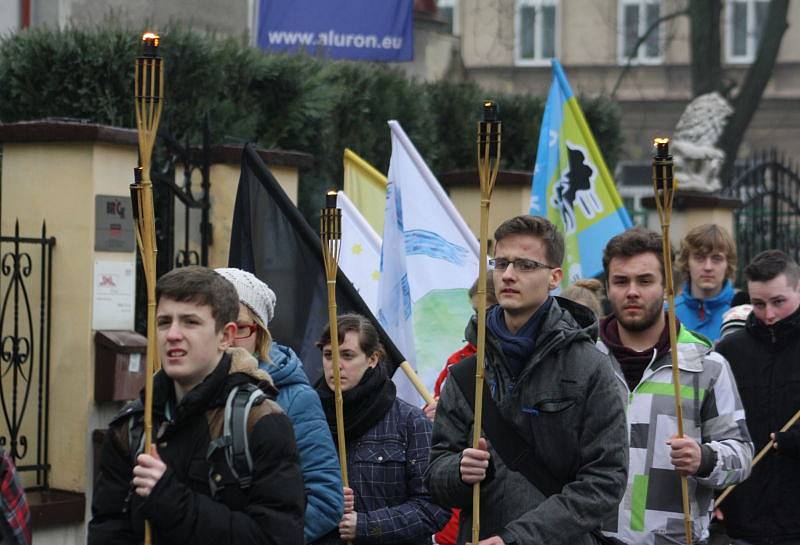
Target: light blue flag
<point>572,186</point>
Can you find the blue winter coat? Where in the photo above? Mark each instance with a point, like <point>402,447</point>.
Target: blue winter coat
<point>319,461</point>
<point>704,315</point>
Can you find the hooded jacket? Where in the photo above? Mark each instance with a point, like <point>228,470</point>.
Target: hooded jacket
<point>180,507</point>
<point>565,400</point>
<point>704,315</point>
<point>318,457</point>
<point>652,511</point>
<point>766,363</point>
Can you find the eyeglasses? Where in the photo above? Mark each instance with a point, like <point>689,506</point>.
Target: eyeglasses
<point>244,331</point>
<point>520,265</point>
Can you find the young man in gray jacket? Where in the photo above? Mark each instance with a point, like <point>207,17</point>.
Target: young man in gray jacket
<point>554,388</point>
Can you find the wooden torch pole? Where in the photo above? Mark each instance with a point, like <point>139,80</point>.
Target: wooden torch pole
<point>489,137</point>
<point>664,186</point>
<point>330,231</point>
<point>148,100</point>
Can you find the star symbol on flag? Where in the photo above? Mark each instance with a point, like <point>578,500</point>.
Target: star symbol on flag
<point>357,249</point>
<point>535,202</point>
<point>375,275</point>
<point>553,138</point>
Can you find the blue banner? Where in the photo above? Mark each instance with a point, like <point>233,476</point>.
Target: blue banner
<point>371,30</point>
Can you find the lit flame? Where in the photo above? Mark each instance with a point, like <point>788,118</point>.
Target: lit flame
<point>150,36</point>
<point>658,141</point>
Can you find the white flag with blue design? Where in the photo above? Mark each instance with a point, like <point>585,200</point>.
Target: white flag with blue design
<point>429,259</point>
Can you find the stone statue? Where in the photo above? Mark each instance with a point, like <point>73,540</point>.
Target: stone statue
<point>697,159</point>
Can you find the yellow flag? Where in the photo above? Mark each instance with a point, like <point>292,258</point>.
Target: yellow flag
<point>366,187</point>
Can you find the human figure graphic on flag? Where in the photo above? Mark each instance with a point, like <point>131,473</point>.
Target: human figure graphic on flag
<point>576,183</point>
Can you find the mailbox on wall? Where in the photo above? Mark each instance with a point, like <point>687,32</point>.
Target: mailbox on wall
<point>119,365</point>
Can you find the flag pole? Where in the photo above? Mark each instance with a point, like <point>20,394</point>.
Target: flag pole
<point>148,101</point>
<point>415,381</point>
<point>330,230</point>
<point>489,136</point>
<point>664,186</point>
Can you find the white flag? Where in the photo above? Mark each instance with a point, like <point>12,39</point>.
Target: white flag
<point>429,260</point>
<point>360,258</point>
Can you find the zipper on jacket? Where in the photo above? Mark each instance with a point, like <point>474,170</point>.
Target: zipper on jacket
<point>702,311</point>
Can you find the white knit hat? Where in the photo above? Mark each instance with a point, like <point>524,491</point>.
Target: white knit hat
<point>254,293</point>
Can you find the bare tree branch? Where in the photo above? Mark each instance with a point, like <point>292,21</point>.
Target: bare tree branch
<point>755,81</point>
<point>632,55</point>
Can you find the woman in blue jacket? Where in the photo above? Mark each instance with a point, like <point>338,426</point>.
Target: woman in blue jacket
<point>388,443</point>
<point>318,458</point>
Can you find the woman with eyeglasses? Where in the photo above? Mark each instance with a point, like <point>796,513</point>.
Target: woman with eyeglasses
<point>318,458</point>
<point>388,443</point>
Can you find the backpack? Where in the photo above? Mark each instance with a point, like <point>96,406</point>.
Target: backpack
<point>230,474</point>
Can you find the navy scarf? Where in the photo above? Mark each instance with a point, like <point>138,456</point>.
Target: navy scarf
<point>517,347</point>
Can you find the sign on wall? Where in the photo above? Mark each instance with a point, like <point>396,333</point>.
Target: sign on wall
<point>114,295</point>
<point>372,30</point>
<point>113,224</point>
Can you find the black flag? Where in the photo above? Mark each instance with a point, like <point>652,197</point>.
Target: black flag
<point>271,239</point>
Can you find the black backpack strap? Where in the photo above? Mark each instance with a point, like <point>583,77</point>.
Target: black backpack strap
<point>134,412</point>
<point>517,453</point>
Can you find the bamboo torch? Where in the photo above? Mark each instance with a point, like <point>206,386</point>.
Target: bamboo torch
<point>148,99</point>
<point>330,230</point>
<point>489,137</point>
<point>763,452</point>
<point>664,186</point>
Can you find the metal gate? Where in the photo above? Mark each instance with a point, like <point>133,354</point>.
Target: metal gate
<point>26,268</point>
<point>183,232</point>
<point>769,188</point>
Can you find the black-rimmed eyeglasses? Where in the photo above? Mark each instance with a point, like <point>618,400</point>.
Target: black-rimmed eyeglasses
<point>520,265</point>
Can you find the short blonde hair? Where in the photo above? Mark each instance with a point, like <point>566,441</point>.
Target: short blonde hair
<point>263,337</point>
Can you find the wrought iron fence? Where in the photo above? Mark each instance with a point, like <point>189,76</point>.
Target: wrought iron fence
<point>25,350</point>
<point>769,188</point>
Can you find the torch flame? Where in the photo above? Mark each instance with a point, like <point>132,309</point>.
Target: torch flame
<point>658,141</point>
<point>150,37</point>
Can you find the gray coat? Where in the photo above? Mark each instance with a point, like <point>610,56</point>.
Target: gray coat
<point>565,402</point>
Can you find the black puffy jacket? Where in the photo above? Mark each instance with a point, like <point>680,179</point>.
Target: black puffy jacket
<point>766,363</point>
<point>180,507</point>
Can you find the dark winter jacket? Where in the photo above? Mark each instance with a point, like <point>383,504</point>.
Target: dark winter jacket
<point>385,468</point>
<point>766,363</point>
<point>704,315</point>
<point>565,401</point>
<point>180,507</point>
<point>319,462</point>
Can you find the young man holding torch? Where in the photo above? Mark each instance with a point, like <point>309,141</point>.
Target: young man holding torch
<point>184,486</point>
<point>554,465</point>
<point>715,451</point>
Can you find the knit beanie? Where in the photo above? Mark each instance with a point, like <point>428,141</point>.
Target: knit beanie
<point>734,319</point>
<point>254,293</point>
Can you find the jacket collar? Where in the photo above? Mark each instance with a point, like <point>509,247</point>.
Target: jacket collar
<point>235,367</point>
<point>692,349</point>
<point>720,300</point>
<point>785,329</point>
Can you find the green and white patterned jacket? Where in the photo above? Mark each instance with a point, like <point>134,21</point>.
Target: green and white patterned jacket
<point>651,512</point>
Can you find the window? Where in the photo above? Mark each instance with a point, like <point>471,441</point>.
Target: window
<point>536,31</point>
<point>448,10</point>
<point>635,18</point>
<point>744,21</point>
